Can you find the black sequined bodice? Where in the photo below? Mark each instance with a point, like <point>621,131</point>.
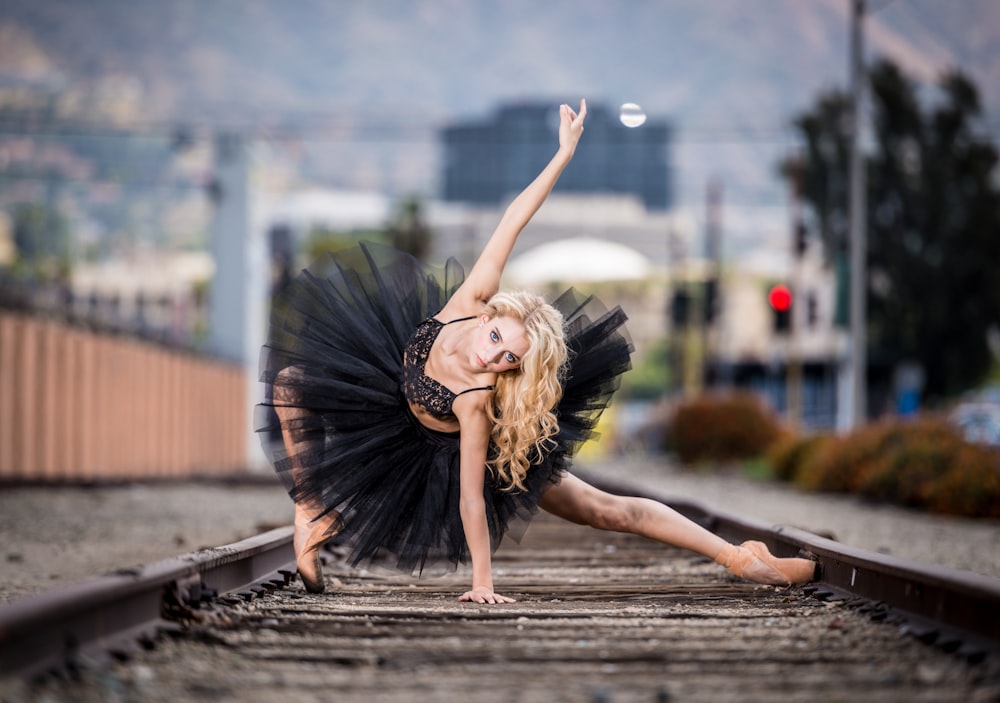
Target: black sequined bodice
<point>420,389</point>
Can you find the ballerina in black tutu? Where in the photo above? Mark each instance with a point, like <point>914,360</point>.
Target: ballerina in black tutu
<point>422,415</point>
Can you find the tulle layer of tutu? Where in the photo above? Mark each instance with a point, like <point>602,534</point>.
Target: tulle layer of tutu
<point>333,365</point>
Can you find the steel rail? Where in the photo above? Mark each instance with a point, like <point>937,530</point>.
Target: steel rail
<point>110,613</point>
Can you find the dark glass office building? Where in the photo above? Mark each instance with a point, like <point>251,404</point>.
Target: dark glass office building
<point>487,162</point>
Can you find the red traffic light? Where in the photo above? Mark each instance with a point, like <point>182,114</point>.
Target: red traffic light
<point>780,297</point>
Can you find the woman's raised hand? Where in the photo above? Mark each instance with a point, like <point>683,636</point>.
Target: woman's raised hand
<point>571,125</point>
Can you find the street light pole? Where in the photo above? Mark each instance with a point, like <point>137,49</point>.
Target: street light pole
<point>858,245</point>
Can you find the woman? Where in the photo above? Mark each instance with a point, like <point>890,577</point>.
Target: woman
<point>433,443</point>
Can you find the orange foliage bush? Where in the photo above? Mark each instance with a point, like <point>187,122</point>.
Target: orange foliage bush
<point>970,487</point>
<point>907,466</point>
<point>923,463</point>
<point>792,455</point>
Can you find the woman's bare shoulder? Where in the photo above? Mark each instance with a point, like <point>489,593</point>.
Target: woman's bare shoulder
<point>460,305</point>
<point>470,411</point>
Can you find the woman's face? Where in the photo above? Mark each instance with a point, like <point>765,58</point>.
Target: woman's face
<point>499,344</point>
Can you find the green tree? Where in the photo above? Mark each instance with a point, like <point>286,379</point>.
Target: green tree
<point>321,240</point>
<point>408,232</point>
<point>41,237</point>
<point>933,221</point>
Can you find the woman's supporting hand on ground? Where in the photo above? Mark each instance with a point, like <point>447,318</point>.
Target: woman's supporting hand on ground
<point>484,594</point>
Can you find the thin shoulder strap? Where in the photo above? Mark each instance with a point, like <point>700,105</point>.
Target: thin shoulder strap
<point>461,319</point>
<point>469,390</point>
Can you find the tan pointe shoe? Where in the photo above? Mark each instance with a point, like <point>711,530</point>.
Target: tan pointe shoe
<point>745,564</point>
<point>311,534</point>
<point>795,570</point>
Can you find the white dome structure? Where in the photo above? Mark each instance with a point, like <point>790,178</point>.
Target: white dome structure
<point>578,260</point>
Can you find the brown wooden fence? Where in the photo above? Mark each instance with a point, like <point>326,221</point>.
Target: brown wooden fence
<point>80,406</point>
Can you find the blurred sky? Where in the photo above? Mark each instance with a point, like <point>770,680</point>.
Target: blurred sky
<point>384,74</point>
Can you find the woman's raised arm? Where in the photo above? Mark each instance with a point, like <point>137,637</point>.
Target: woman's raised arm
<point>484,278</point>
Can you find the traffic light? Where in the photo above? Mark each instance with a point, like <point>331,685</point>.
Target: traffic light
<point>711,302</point>
<point>780,300</point>
<point>680,307</point>
<point>801,239</point>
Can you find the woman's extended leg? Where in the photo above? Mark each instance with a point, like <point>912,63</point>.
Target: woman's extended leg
<point>577,501</point>
<point>312,527</point>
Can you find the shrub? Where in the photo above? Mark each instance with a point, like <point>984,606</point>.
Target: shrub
<point>721,427</point>
<point>784,456</point>
<point>793,456</point>
<point>970,486</point>
<point>923,463</point>
<point>903,473</point>
<point>835,467</point>
<point>909,457</point>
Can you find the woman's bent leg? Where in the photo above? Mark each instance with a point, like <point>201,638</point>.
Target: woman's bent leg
<point>313,527</point>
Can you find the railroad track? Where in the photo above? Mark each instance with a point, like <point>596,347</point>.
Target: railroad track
<point>569,589</point>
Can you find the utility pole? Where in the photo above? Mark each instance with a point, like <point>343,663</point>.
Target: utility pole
<point>858,239</point>
<point>797,250</point>
<point>712,289</point>
<point>229,191</point>
<point>237,309</point>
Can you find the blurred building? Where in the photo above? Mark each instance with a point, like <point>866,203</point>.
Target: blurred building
<point>789,358</point>
<point>153,294</point>
<point>487,162</point>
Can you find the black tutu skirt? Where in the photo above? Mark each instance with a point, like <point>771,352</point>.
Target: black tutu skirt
<point>337,335</point>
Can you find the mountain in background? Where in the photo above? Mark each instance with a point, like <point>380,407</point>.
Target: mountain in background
<point>691,59</point>
<point>361,87</point>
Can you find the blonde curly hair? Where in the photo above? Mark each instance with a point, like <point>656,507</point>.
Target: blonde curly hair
<point>524,399</point>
